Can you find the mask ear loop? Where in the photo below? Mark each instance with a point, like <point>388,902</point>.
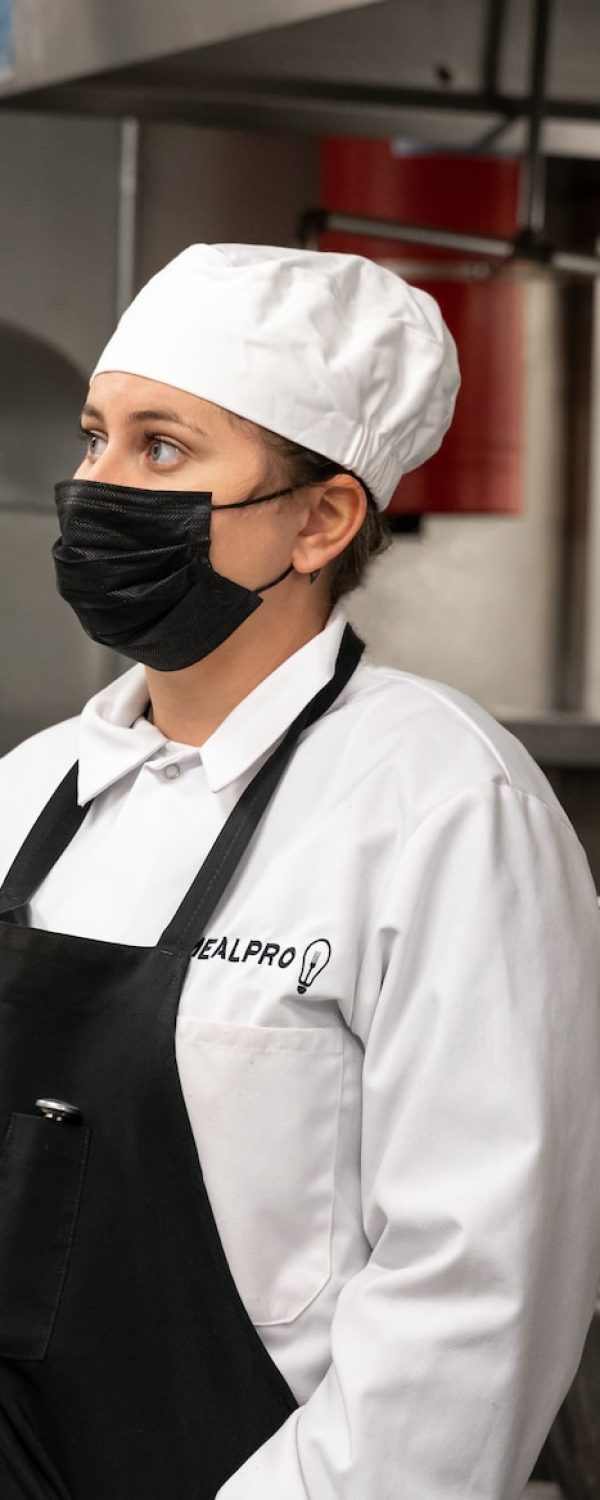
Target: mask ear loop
<point>258,500</point>
<point>262,589</point>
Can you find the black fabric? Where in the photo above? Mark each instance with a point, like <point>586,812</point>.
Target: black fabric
<point>134,564</point>
<point>56,826</point>
<point>41,1177</point>
<point>140,1376</point>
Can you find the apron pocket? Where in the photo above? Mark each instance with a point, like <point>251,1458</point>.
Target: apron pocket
<point>41,1175</point>
<point>263,1103</point>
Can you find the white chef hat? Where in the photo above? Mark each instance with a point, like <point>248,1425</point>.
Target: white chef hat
<point>330,350</point>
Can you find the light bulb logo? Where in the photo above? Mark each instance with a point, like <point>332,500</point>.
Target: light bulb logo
<point>316,956</point>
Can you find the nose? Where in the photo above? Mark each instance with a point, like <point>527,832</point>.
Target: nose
<point>111,467</point>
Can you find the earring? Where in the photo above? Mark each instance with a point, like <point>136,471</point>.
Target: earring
<point>314,575</point>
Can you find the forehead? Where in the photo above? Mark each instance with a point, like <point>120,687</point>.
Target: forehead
<point>118,395</point>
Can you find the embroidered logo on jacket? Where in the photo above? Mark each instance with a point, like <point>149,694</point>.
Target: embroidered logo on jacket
<point>315,958</point>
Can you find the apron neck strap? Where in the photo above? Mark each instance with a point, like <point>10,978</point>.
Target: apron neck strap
<point>197,907</point>
<point>51,833</point>
<point>60,819</point>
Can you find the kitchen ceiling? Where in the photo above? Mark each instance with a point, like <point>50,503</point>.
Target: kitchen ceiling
<point>433,71</point>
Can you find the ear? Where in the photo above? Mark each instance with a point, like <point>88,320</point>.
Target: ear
<point>337,511</point>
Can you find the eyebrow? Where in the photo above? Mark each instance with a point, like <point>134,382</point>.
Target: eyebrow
<point>148,415</point>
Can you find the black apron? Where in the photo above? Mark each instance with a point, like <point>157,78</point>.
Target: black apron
<point>129,1367</point>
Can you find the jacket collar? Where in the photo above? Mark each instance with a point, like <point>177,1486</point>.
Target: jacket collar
<point>115,738</point>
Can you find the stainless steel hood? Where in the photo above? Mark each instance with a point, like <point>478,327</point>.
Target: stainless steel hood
<point>451,71</point>
<point>76,39</point>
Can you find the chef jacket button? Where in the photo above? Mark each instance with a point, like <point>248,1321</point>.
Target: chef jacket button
<point>58,1109</point>
<point>171,771</point>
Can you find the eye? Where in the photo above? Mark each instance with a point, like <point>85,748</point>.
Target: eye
<point>161,451</point>
<point>94,443</point>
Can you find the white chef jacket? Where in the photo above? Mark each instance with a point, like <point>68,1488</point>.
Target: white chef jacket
<point>389,1048</point>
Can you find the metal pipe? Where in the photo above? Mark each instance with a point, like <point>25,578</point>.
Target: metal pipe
<point>572,264</point>
<point>127,214</point>
<point>533,203</point>
<point>319,221</point>
<point>493,44</point>
<point>287,100</point>
<point>108,664</point>
<point>572,593</point>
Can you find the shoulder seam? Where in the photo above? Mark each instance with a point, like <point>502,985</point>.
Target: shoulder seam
<point>429,688</point>
<point>494,786</point>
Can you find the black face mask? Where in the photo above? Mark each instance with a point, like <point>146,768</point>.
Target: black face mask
<point>135,566</point>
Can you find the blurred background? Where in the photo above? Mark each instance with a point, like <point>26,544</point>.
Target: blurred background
<point>459,142</point>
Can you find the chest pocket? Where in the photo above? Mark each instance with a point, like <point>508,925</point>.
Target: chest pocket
<point>41,1175</point>
<point>264,1104</point>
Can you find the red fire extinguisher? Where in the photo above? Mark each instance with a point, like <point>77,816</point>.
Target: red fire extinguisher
<point>479,468</point>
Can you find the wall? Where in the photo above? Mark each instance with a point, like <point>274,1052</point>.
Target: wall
<point>219,185</point>
<point>592,681</point>
<point>57,285</point>
<point>57,248</point>
<point>473,601</point>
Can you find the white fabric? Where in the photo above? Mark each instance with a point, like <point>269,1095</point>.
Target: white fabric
<point>402,1159</point>
<point>333,351</point>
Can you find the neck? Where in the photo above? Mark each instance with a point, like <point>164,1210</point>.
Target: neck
<point>189,705</point>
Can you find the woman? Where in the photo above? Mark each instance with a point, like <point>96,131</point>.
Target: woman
<point>316,928</point>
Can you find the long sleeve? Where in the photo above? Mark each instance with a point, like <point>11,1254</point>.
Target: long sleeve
<point>478,1005</point>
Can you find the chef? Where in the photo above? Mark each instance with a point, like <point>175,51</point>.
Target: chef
<point>299,957</point>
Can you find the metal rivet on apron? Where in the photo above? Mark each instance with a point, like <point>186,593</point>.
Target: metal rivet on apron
<point>58,1109</point>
